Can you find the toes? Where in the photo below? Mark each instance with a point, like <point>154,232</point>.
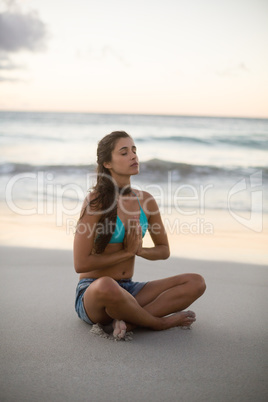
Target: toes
<point>120,329</point>
<point>123,329</point>
<point>190,314</point>
<point>117,329</point>
<point>189,319</point>
<point>122,325</point>
<point>122,334</point>
<point>116,332</point>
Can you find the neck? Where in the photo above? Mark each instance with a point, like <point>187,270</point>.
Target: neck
<point>124,190</point>
<point>122,182</point>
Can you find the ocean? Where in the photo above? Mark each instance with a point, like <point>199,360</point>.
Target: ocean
<point>185,161</point>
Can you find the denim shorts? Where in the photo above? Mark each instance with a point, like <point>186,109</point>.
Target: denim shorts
<point>132,287</point>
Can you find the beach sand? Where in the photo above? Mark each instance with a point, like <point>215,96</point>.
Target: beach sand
<point>212,235</point>
<point>48,353</point>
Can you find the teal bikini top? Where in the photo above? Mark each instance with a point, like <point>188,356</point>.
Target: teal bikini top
<point>119,233</point>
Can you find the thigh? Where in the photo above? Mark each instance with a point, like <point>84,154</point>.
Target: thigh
<point>99,295</point>
<point>154,288</point>
<point>93,305</point>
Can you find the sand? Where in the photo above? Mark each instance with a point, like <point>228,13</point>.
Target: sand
<point>107,333</point>
<point>48,353</point>
<point>188,238</point>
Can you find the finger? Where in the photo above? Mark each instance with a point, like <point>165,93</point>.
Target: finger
<point>129,226</point>
<point>133,226</point>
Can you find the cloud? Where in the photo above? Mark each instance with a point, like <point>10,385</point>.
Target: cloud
<point>21,32</point>
<point>110,51</point>
<point>105,53</point>
<point>6,79</point>
<point>7,64</point>
<point>233,71</point>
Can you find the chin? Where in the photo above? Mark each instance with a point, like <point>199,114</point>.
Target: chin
<point>135,171</point>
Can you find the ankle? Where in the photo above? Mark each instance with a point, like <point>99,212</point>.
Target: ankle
<point>160,324</point>
<point>130,327</point>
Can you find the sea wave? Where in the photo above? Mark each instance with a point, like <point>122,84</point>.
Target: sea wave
<point>30,137</point>
<point>238,141</point>
<point>154,168</point>
<point>18,168</point>
<point>257,141</point>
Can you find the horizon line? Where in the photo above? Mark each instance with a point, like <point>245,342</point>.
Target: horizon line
<point>131,114</point>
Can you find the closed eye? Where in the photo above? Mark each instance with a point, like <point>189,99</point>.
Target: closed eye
<point>125,149</point>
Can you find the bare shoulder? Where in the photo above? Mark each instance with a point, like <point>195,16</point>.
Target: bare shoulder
<point>147,201</point>
<point>88,208</point>
<point>142,195</point>
<point>92,195</point>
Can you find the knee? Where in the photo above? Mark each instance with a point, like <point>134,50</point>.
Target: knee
<point>107,289</point>
<point>199,284</point>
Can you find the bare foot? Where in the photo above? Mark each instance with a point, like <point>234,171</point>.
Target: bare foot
<point>120,329</point>
<point>181,319</point>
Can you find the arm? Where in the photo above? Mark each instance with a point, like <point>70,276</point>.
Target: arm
<point>160,251</point>
<point>84,260</point>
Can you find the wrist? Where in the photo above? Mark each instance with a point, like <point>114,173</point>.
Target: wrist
<point>128,253</point>
<point>140,252</point>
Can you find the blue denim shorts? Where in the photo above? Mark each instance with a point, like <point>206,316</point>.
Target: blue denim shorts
<point>132,287</point>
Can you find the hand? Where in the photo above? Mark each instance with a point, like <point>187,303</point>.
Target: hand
<point>132,236</point>
<point>139,251</point>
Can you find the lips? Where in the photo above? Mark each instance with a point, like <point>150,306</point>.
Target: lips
<point>134,164</point>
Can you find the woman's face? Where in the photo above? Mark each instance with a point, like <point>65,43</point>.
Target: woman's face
<point>124,158</point>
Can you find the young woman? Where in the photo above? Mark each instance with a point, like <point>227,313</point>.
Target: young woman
<point>113,220</point>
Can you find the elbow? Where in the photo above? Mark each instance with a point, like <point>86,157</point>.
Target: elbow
<point>77,269</point>
<point>166,253</point>
<point>80,267</point>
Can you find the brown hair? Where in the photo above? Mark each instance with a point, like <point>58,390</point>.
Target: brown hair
<point>106,191</point>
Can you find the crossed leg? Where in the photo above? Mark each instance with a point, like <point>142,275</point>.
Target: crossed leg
<point>166,296</point>
<point>105,300</point>
<point>170,295</point>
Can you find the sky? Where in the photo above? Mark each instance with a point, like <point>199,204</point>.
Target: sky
<point>174,57</point>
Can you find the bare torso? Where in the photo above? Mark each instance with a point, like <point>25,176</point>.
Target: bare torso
<point>127,208</point>
<point>123,270</point>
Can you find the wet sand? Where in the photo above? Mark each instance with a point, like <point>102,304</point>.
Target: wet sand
<point>214,235</point>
